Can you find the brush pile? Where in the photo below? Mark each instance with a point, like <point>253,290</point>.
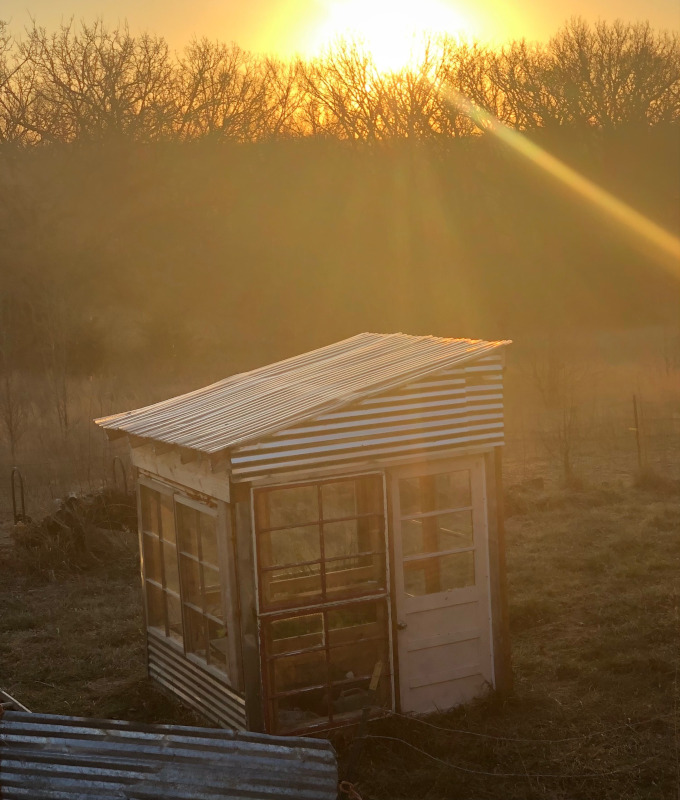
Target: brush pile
<point>86,532</point>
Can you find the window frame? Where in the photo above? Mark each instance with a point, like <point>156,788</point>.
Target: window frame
<point>437,555</point>
<point>322,561</point>
<point>220,510</point>
<point>323,604</point>
<point>167,492</point>
<point>225,581</point>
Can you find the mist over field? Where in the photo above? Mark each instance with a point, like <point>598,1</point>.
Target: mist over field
<point>171,218</point>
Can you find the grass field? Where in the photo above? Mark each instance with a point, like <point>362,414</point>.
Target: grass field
<point>593,579</point>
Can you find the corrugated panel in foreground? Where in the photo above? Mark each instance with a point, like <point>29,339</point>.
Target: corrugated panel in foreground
<point>455,407</point>
<point>196,687</point>
<point>253,405</point>
<point>45,757</point>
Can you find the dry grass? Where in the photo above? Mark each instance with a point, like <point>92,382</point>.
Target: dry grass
<point>71,629</point>
<point>594,615</point>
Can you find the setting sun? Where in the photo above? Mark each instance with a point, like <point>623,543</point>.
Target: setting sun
<point>390,29</point>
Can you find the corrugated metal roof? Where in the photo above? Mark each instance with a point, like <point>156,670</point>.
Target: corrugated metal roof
<point>46,756</point>
<point>251,405</point>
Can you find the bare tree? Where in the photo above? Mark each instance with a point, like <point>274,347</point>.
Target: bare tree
<point>15,405</point>
<point>348,94</point>
<point>92,83</point>
<point>220,91</point>
<point>610,74</point>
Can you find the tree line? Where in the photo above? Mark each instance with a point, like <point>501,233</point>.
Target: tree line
<point>87,82</point>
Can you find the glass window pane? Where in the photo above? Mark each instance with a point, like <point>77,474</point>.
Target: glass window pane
<point>149,502</point>
<point>171,568</point>
<point>152,558</point>
<point>155,607</point>
<point>208,529</point>
<point>292,586</point>
<point>295,505</point>
<point>212,592</point>
<point>299,671</point>
<point>167,518</point>
<point>364,535</point>
<point>458,570</point>
<point>290,546</point>
<point>191,581</point>
<point>410,499</point>
<point>300,710</point>
<point>340,538</point>
<point>357,660</point>
<point>339,500</point>
<point>356,622</point>
<point>355,575</point>
<point>452,489</point>
<point>434,492</point>
<point>187,522</point>
<point>174,616</point>
<point>436,534</point>
<point>219,645</point>
<point>439,574</point>
<point>294,633</point>
<point>195,632</point>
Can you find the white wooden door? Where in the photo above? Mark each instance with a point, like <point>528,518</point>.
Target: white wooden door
<point>442,583</point>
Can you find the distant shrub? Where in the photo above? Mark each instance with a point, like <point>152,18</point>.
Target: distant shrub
<point>85,533</point>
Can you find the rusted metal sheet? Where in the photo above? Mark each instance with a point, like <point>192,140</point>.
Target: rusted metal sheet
<point>452,408</point>
<point>253,405</point>
<point>195,686</point>
<point>47,757</point>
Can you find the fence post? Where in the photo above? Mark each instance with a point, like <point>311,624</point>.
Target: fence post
<point>19,516</point>
<point>636,417</point>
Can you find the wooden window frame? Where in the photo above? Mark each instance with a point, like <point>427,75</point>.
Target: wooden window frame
<point>323,604</point>
<point>161,491</point>
<point>321,561</point>
<point>219,510</point>
<point>231,675</point>
<point>436,555</point>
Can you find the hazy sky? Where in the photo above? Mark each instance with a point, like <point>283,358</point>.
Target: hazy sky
<point>286,26</point>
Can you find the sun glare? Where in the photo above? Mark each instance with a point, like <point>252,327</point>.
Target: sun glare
<point>391,30</point>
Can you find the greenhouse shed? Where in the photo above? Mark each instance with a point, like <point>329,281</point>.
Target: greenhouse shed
<point>314,522</point>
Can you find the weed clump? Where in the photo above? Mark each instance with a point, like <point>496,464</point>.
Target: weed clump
<point>648,479</point>
<point>86,532</point>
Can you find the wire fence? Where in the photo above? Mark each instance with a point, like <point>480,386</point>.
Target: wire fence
<point>600,439</point>
<point>593,443</point>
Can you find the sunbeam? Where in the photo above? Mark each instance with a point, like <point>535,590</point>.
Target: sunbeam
<point>664,242</point>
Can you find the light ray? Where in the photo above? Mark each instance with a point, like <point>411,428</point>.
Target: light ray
<point>662,240</point>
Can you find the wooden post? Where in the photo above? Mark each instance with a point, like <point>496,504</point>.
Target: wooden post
<point>636,417</point>
<point>498,575</point>
<point>250,646</point>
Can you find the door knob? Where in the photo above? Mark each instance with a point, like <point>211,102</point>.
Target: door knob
<point>401,626</point>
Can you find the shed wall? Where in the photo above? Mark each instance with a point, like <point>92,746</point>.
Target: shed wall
<point>456,407</point>
<point>196,686</point>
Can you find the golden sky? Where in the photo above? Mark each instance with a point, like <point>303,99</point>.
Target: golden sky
<point>283,27</point>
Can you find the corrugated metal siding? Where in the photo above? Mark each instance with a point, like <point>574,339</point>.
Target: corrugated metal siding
<point>454,407</point>
<point>45,757</point>
<point>257,404</point>
<point>196,687</point>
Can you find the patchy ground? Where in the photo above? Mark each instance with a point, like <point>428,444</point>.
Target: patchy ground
<point>594,578</point>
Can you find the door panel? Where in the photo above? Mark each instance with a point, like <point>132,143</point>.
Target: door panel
<point>441,583</point>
